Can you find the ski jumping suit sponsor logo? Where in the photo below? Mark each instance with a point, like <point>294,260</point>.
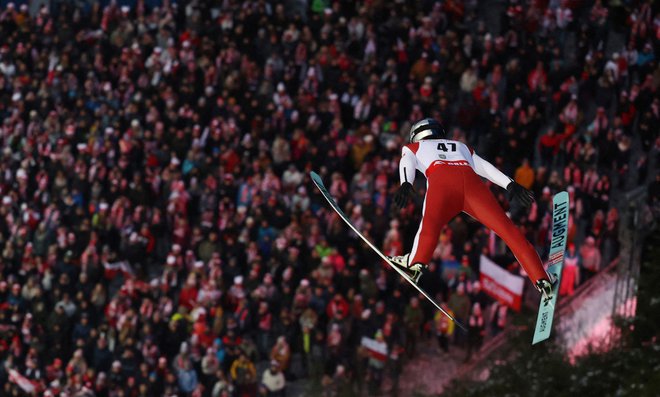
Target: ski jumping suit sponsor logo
<point>449,162</point>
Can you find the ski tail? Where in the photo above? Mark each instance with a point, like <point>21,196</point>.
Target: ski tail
<point>319,184</point>
<point>560,215</point>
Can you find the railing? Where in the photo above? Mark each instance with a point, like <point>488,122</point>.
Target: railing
<point>639,225</point>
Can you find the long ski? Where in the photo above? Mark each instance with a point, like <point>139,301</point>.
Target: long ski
<point>556,263</point>
<point>319,184</point>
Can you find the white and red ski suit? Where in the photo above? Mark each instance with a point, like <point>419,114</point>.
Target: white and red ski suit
<point>453,184</point>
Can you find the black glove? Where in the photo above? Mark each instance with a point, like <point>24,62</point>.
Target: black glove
<point>401,196</point>
<point>519,194</point>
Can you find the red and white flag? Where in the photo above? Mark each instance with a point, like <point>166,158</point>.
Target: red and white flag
<point>377,350</point>
<point>507,288</point>
<point>24,383</point>
<point>113,269</point>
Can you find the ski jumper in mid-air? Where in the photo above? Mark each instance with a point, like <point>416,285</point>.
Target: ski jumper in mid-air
<point>453,184</point>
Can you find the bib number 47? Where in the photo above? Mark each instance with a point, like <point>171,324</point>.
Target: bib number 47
<point>443,147</point>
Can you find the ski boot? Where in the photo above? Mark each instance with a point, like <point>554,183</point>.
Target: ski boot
<point>545,288</point>
<point>413,272</point>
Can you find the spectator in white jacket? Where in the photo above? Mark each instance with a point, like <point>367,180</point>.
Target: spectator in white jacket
<point>273,381</point>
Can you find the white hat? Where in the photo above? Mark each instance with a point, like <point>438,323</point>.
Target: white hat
<point>238,280</point>
<point>171,260</point>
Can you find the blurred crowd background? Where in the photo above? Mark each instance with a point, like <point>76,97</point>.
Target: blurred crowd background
<point>159,233</point>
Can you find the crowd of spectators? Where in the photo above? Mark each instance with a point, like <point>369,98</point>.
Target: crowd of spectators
<point>159,235</point>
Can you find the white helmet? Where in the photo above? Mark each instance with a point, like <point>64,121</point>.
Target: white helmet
<point>426,128</point>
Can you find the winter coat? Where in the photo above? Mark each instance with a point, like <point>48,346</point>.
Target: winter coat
<point>274,382</point>
<point>243,372</point>
<point>187,380</point>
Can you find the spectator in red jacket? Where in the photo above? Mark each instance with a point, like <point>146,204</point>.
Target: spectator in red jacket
<point>338,307</point>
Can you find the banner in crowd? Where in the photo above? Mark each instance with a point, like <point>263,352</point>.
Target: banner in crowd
<point>24,383</point>
<point>113,269</point>
<point>449,268</point>
<point>376,349</point>
<point>507,288</point>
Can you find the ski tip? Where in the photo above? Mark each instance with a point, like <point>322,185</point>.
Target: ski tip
<point>316,179</point>
<point>561,196</point>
